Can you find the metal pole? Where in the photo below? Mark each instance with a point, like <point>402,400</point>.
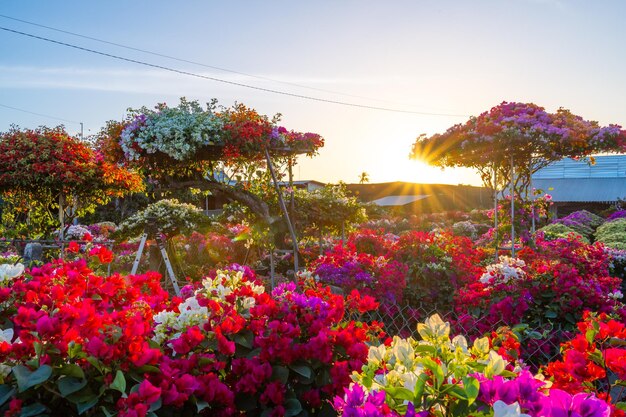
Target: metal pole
<point>142,243</point>
<point>168,264</point>
<point>283,208</point>
<point>512,210</point>
<point>532,210</point>
<point>495,211</point>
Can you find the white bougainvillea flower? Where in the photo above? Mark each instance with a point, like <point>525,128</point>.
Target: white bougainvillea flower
<point>8,271</point>
<point>501,409</point>
<point>434,327</point>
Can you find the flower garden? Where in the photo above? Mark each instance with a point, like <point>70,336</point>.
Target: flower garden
<point>387,316</point>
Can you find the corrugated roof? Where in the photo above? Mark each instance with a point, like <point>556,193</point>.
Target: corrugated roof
<point>582,189</point>
<point>606,166</point>
<point>399,200</point>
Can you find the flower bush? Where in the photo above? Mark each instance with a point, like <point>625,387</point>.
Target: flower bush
<point>554,231</point>
<point>439,376</point>
<point>188,130</point>
<point>167,216</point>
<point>594,361</point>
<point>547,289</point>
<point>612,234</point>
<point>377,276</point>
<point>438,265</point>
<point>73,342</point>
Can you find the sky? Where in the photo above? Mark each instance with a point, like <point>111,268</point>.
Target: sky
<point>431,64</point>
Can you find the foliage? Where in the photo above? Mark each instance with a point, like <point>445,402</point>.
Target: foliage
<point>554,231</point>
<point>166,216</point>
<point>327,208</point>
<point>612,234</point>
<point>45,168</point>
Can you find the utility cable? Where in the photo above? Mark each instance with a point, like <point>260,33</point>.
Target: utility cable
<point>193,62</point>
<point>191,74</point>
<point>39,114</point>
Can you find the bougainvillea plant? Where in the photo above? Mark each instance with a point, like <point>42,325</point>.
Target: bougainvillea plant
<point>522,134</point>
<point>74,343</point>
<point>45,168</point>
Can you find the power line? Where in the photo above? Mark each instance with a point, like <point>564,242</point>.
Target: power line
<point>40,114</point>
<point>191,74</point>
<point>191,62</point>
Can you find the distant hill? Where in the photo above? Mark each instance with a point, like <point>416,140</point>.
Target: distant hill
<point>429,198</point>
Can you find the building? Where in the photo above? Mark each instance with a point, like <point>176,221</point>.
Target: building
<point>415,198</point>
<point>576,185</point>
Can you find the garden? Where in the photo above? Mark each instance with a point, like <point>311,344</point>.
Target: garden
<point>121,296</point>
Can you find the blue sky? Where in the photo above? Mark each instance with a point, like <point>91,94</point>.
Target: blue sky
<point>452,57</point>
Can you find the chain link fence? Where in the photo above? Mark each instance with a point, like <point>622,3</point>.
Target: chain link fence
<point>538,346</point>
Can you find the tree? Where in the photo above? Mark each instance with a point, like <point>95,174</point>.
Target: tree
<point>222,150</point>
<point>519,139</point>
<point>45,170</point>
<point>364,177</point>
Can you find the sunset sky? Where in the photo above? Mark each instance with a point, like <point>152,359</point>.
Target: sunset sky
<point>434,63</point>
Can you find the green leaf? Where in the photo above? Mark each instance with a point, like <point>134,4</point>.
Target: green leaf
<point>551,314</point>
<point>106,412</point>
<point>6,392</point>
<point>27,379</point>
<point>303,370</point>
<point>292,407</point>
<point>119,383</point>
<point>455,391</point>
<point>69,385</point>
<point>400,393</point>
<point>471,386</point>
<point>74,370</point>
<point>280,373</point>
<point>419,387</point>
<point>87,405</point>
<point>95,362</point>
<point>244,338</point>
<point>201,405</point>
<point>436,370</point>
<point>33,410</point>
<point>621,406</point>
<point>156,405</point>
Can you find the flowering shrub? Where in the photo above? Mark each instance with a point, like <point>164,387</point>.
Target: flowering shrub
<point>79,343</point>
<point>465,228</point>
<point>438,265</point>
<point>612,234</point>
<point>187,131</point>
<point>168,216</point>
<point>582,222</point>
<point>554,231</point>
<point>619,214</point>
<point>377,276</point>
<point>46,168</point>
<point>200,253</point>
<point>552,286</point>
<point>437,376</point>
<point>594,361</point>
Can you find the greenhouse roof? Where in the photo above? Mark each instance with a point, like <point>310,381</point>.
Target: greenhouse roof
<point>583,189</point>
<point>606,166</point>
<point>399,200</point>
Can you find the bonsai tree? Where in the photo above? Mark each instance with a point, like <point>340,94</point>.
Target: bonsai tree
<point>48,177</point>
<point>510,142</point>
<point>514,140</point>
<point>219,149</point>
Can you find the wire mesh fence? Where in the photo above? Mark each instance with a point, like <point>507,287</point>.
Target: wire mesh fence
<point>538,346</point>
